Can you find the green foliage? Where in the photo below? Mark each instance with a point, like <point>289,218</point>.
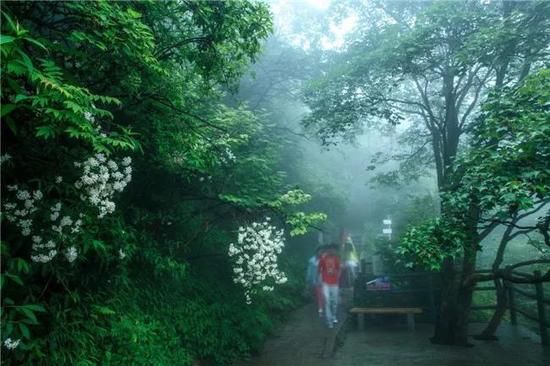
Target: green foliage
<point>508,167</point>
<point>429,244</point>
<point>505,171</point>
<point>147,78</point>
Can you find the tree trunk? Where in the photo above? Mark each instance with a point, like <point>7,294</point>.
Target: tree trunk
<point>488,333</point>
<point>456,299</point>
<point>445,326</point>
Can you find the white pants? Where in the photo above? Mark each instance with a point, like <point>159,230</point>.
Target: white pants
<point>330,292</point>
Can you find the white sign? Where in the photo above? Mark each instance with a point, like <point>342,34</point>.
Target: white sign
<point>386,231</point>
<point>387,222</point>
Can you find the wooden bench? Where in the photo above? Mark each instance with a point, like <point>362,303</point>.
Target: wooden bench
<point>409,312</point>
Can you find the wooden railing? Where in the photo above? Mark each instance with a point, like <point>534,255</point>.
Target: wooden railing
<point>538,295</point>
<point>541,318</point>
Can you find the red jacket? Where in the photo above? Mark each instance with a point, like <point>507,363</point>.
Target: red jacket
<point>329,267</point>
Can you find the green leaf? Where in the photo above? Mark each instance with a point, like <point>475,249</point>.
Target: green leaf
<point>36,307</point>
<point>6,39</point>
<point>15,278</point>
<point>28,313</point>
<point>24,330</point>
<point>35,42</point>
<point>45,132</point>
<point>6,109</point>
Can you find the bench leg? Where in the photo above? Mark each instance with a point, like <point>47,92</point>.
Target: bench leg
<point>361,321</point>
<point>410,321</point>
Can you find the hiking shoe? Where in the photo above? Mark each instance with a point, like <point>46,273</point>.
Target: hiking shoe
<point>320,313</point>
<point>335,321</point>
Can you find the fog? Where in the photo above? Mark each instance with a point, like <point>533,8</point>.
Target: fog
<point>358,181</point>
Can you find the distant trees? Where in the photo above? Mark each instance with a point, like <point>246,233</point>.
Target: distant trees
<point>429,66</point>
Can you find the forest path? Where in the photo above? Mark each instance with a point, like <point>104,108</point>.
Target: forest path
<point>304,341</point>
<point>300,341</point>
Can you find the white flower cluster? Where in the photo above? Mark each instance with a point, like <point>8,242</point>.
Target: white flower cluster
<point>46,251</point>
<point>228,157</point>
<point>18,212</point>
<point>11,344</point>
<point>73,226</point>
<point>100,179</point>
<point>61,228</point>
<point>255,257</point>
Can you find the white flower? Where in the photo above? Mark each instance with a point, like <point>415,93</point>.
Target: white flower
<point>71,254</point>
<point>4,158</point>
<point>66,221</point>
<point>37,195</point>
<point>13,187</point>
<point>9,206</point>
<point>121,254</point>
<point>255,258</point>
<point>112,165</point>
<point>126,161</point>
<point>89,117</point>
<point>100,180</point>
<point>44,258</point>
<point>58,179</point>
<point>11,344</point>
<point>23,195</point>
<point>21,213</point>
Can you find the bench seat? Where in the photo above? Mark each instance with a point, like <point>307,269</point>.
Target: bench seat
<point>409,312</point>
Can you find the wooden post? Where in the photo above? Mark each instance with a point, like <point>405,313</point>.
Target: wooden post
<point>361,321</point>
<point>511,305</point>
<point>541,311</point>
<point>410,321</point>
<point>432,299</point>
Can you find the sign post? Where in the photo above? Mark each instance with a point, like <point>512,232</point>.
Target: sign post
<point>386,230</point>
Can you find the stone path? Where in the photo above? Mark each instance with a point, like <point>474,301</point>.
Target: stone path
<point>302,342</point>
<point>395,346</point>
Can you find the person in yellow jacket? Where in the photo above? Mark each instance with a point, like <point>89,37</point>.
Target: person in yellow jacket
<point>351,261</point>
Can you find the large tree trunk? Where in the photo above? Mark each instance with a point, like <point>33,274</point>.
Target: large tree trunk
<point>451,326</point>
<point>456,298</point>
<point>445,326</point>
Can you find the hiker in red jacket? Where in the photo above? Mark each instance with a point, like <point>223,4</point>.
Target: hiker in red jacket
<point>329,269</point>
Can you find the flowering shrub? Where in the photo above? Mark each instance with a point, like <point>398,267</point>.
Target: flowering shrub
<point>100,180</point>
<point>255,264</point>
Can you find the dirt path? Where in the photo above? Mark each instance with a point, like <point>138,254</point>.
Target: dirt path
<point>300,341</point>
